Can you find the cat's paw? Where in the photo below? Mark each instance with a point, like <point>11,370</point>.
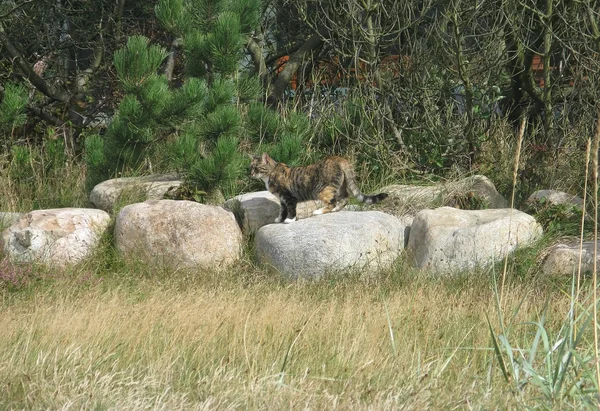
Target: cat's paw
<point>278,220</point>
<point>289,220</point>
<point>317,212</point>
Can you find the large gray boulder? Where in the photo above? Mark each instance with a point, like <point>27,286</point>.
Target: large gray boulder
<point>57,237</point>
<point>563,259</point>
<point>178,234</point>
<point>468,192</point>
<point>330,243</point>
<point>447,240</point>
<point>128,190</point>
<point>254,210</point>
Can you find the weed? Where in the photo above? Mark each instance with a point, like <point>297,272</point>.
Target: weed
<point>554,365</point>
<point>15,276</point>
<point>558,218</point>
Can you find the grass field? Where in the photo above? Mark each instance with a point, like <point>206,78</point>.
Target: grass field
<point>111,336</point>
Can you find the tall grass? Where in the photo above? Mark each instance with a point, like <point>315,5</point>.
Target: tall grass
<point>514,189</point>
<point>552,361</point>
<point>595,282</point>
<point>583,217</point>
<point>561,364</point>
<point>47,176</point>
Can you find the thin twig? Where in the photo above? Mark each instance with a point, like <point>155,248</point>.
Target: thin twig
<point>18,6</point>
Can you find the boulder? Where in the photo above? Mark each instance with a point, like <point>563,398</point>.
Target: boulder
<point>446,239</point>
<point>254,210</point>
<point>555,197</point>
<point>331,243</point>
<point>7,219</point>
<point>128,190</point>
<point>473,192</point>
<point>178,234</point>
<point>58,237</point>
<point>563,259</point>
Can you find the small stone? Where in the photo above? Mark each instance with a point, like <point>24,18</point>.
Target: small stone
<point>563,259</point>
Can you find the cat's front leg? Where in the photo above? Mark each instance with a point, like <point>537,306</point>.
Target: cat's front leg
<point>282,212</point>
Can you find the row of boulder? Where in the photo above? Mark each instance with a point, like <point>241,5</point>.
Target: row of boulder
<point>423,222</point>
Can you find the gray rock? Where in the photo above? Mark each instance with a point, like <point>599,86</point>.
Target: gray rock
<point>254,210</point>
<point>331,243</point>
<point>129,190</point>
<point>556,197</point>
<point>447,240</point>
<point>178,234</point>
<point>58,237</point>
<point>563,259</point>
<point>409,199</point>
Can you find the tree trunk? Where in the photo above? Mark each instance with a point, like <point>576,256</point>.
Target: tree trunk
<point>258,59</point>
<point>285,76</point>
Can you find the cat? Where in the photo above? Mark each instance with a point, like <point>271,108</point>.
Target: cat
<point>330,180</point>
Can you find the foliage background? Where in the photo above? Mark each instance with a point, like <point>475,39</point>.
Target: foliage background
<point>411,91</point>
<point>428,89</point>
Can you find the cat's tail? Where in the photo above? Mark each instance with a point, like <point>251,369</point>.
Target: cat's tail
<point>353,188</point>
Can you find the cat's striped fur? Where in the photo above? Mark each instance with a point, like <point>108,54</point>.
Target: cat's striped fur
<point>330,180</point>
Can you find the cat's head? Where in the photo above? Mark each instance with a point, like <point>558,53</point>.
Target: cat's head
<point>261,166</point>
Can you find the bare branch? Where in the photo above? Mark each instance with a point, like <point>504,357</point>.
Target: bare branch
<point>18,6</point>
<point>45,116</point>
<point>38,82</point>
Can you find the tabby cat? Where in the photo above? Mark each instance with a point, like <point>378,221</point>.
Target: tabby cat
<point>329,180</point>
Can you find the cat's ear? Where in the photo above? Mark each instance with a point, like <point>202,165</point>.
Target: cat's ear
<point>266,158</point>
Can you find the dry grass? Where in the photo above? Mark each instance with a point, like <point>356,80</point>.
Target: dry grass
<point>108,335</point>
<point>228,341</point>
<point>35,185</point>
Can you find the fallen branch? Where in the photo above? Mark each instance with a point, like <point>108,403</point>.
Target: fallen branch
<point>45,116</point>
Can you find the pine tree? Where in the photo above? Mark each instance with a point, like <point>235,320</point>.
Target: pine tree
<point>148,111</point>
<point>213,34</point>
<point>197,127</point>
